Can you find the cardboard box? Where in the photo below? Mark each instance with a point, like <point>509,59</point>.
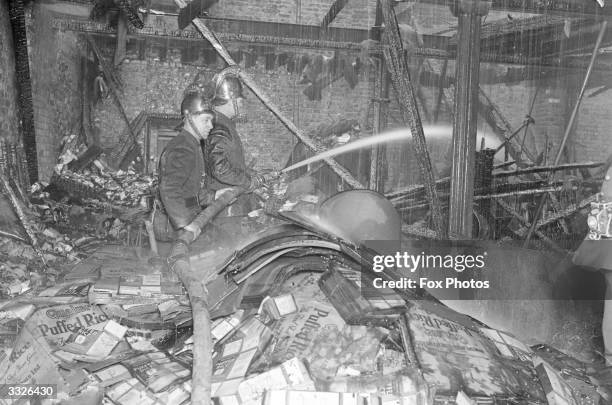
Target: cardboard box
<point>234,355</point>
<point>463,399</point>
<point>131,392</point>
<point>224,326</point>
<point>30,362</point>
<point>507,345</point>
<point>156,371</point>
<point>290,397</point>
<point>57,323</point>
<point>76,289</point>
<point>96,343</point>
<point>357,305</point>
<point>291,374</point>
<point>111,375</point>
<point>134,285</point>
<point>558,391</point>
<point>277,307</point>
<point>225,392</point>
<point>295,397</point>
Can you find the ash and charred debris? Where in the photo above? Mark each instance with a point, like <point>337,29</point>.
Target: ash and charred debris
<point>104,320</point>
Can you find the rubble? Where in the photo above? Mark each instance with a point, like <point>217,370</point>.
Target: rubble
<point>105,323</point>
<point>292,346</point>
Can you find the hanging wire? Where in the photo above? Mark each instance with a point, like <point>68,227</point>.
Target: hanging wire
<point>533,100</point>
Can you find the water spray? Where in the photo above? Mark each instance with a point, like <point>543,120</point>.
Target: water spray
<point>351,146</point>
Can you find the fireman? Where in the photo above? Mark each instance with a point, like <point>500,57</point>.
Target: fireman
<point>223,150</point>
<point>596,252</point>
<point>181,171</point>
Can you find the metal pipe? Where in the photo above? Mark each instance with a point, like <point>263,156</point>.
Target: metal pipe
<point>515,133</point>
<point>568,129</point>
<point>570,124</point>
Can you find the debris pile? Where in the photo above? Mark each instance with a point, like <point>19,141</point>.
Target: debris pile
<point>288,328</point>
<point>111,323</point>
<point>82,172</point>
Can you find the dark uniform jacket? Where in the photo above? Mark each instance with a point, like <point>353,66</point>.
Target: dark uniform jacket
<point>181,175</point>
<point>224,153</point>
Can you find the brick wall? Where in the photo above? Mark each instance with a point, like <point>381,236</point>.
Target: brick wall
<point>154,86</point>
<point>592,131</point>
<point>55,60</point>
<point>553,105</point>
<point>9,124</point>
<point>356,14</point>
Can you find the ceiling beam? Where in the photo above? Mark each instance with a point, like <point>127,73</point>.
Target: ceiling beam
<point>334,10</point>
<point>260,32</point>
<point>571,8</point>
<point>263,34</point>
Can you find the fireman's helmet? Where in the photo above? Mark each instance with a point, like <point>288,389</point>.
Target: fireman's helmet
<point>227,86</point>
<point>194,103</point>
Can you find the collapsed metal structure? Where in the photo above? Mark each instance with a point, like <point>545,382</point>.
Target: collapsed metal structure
<point>534,42</point>
<point>472,45</point>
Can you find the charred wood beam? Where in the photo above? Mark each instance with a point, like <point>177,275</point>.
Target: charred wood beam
<point>569,210</point>
<point>378,162</point>
<point>438,52</point>
<point>396,59</point>
<point>130,13</point>
<point>500,125</point>
<point>525,223</point>
<point>25,222</point>
<point>24,86</point>
<point>194,9</point>
<point>417,193</point>
<point>412,205</point>
<point>334,10</point>
<point>268,36</point>
<point>538,36</point>
<point>539,169</point>
<point>284,30</point>
<point>546,42</point>
<point>557,7</point>
<point>467,70</point>
<point>250,83</point>
<point>251,31</point>
<point>121,40</point>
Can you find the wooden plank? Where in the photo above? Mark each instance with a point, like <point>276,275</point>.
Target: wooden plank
<point>395,58</point>
<point>334,10</point>
<point>250,83</point>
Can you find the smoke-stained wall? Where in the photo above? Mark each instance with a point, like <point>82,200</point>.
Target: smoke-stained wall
<point>55,69</point>
<point>9,121</point>
<point>155,77</point>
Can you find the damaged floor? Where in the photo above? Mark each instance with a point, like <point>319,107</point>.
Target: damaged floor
<point>289,327</point>
<point>88,309</point>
